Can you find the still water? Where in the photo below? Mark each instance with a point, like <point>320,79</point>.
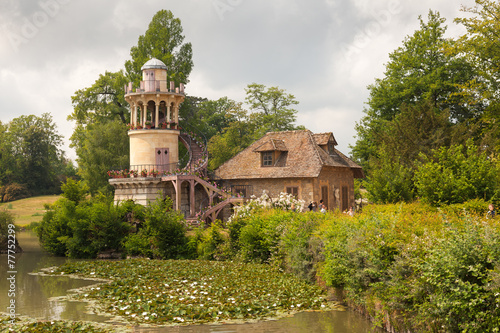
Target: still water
<point>37,297</point>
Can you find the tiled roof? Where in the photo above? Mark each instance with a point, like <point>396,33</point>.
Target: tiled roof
<point>323,138</point>
<point>272,145</point>
<point>304,157</point>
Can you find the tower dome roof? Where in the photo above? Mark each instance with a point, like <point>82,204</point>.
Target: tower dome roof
<point>154,63</point>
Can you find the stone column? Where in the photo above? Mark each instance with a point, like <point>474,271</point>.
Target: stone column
<point>157,114</point>
<point>134,114</point>
<point>140,115</point>
<point>176,113</point>
<point>168,114</point>
<point>191,198</point>
<point>178,190</point>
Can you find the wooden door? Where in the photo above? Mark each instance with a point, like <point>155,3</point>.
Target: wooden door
<point>162,159</point>
<point>324,196</point>
<point>345,198</point>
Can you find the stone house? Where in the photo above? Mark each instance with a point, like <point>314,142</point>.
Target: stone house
<point>304,164</point>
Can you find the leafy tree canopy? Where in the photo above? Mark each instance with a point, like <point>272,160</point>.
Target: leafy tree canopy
<point>104,100</point>
<point>30,154</point>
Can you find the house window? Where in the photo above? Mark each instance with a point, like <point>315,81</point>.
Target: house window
<point>267,158</point>
<point>293,191</point>
<point>241,190</point>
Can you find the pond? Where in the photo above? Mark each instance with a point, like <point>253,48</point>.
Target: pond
<point>40,297</point>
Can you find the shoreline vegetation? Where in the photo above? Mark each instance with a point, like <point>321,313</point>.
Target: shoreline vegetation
<point>408,267</point>
<point>159,293</point>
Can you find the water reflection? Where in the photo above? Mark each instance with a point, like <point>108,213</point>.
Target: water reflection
<point>34,298</point>
<point>304,322</point>
<point>34,292</point>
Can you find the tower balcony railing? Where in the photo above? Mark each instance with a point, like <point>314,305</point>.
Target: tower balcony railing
<point>153,170</point>
<point>143,170</point>
<point>163,125</point>
<point>155,86</point>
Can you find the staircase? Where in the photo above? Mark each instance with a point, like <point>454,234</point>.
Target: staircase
<point>198,157</point>
<point>197,167</point>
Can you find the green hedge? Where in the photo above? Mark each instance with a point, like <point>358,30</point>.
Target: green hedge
<point>409,266</point>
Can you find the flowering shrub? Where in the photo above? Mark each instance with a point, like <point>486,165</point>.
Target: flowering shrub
<point>119,173</point>
<point>283,201</point>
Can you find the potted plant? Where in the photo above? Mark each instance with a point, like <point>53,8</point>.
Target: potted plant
<point>144,173</point>
<point>148,124</point>
<point>164,124</point>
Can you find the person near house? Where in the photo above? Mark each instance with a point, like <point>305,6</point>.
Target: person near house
<point>491,212</point>
<point>323,208</point>
<point>293,208</point>
<point>351,211</point>
<point>315,206</point>
<point>310,206</point>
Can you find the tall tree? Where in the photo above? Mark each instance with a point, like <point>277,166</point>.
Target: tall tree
<point>104,102</point>
<point>208,117</point>
<point>238,135</point>
<point>163,40</point>
<point>101,102</point>
<point>481,47</point>
<point>273,108</point>
<point>423,69</point>
<point>103,147</point>
<point>7,161</point>
<point>35,145</point>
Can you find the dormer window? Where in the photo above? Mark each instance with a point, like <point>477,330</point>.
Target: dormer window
<point>331,148</point>
<point>273,153</point>
<point>267,158</point>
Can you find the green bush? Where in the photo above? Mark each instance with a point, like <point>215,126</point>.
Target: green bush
<point>456,174</point>
<point>389,181</point>
<point>161,235</point>
<point>259,236</point>
<point>81,227</point>
<point>458,278</point>
<point>210,243</point>
<point>301,250</point>
<point>13,192</point>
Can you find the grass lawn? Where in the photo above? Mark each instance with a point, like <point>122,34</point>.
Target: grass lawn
<point>28,210</point>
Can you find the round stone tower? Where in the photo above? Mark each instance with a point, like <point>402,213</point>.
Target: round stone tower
<point>154,120</point>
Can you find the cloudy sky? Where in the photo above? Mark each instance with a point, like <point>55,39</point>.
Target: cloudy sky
<point>325,52</point>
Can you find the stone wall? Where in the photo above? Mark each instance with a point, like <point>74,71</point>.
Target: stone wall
<point>139,190</point>
<point>309,189</point>
<point>143,144</point>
